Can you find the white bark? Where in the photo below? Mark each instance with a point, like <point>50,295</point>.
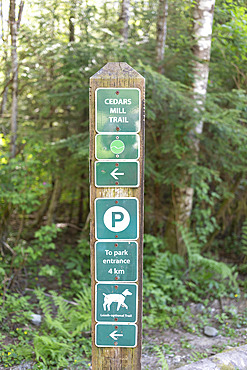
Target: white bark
<point>202,31</point>
<point>124,16</point>
<point>161,33</point>
<point>182,197</point>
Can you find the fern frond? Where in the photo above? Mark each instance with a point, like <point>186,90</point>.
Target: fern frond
<point>161,358</point>
<point>63,307</point>
<point>195,258</point>
<point>57,325</point>
<point>159,268</point>
<point>44,302</point>
<point>46,348</point>
<point>244,237</point>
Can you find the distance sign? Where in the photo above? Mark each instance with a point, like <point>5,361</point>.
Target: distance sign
<point>116,261</point>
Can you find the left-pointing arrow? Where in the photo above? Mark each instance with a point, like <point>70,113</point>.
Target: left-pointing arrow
<point>114,335</point>
<point>114,173</point>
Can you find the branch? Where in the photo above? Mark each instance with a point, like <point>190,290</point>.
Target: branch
<point>8,247</point>
<point>6,86</point>
<point>20,14</point>
<point>50,295</point>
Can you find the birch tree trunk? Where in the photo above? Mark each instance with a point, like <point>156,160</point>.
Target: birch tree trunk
<point>14,27</point>
<point>124,16</point>
<point>182,197</point>
<point>161,33</point>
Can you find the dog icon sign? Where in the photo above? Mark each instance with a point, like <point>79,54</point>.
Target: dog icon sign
<point>116,302</point>
<point>119,298</point>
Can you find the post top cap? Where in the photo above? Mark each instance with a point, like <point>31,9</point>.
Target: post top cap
<point>117,69</point>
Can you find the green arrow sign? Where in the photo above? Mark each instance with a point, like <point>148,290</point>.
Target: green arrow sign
<point>116,218</point>
<point>112,335</point>
<point>117,110</point>
<point>116,174</point>
<point>120,147</point>
<point>116,261</point>
<point>116,302</point>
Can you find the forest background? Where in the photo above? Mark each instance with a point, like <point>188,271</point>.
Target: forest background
<point>49,50</point>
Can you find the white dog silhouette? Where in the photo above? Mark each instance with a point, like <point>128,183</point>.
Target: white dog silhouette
<point>119,298</point>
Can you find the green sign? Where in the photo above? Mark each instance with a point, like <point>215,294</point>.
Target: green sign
<point>120,147</point>
<point>116,302</point>
<point>117,218</point>
<point>112,335</point>
<point>116,261</point>
<point>116,174</point>
<point>117,110</point>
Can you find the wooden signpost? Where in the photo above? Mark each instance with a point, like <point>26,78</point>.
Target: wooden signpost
<point>116,217</point>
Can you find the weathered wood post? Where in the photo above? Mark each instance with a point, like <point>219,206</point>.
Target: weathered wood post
<point>116,218</point>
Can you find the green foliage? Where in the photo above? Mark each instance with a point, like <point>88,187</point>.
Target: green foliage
<point>14,354</point>
<point>197,261</point>
<point>62,332</point>
<point>46,184</point>
<point>51,351</point>
<point>168,279</point>
<point>243,266</point>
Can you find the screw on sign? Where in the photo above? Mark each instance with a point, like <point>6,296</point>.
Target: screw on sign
<point>116,234</point>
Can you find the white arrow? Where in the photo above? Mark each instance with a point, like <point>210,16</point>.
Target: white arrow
<point>114,173</point>
<point>114,335</point>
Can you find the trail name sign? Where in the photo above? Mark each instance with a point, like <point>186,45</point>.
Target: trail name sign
<point>117,110</point>
<point>116,215</point>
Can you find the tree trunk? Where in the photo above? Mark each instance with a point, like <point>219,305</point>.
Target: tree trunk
<point>71,29</point>
<point>202,31</point>
<point>124,16</point>
<point>14,27</point>
<point>5,91</point>
<point>182,197</point>
<point>14,67</point>
<point>57,190</point>
<point>161,33</point>
<point>72,22</point>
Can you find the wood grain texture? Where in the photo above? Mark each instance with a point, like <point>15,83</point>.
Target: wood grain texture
<point>116,75</point>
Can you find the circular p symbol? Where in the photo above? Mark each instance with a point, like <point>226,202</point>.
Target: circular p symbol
<point>116,219</point>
